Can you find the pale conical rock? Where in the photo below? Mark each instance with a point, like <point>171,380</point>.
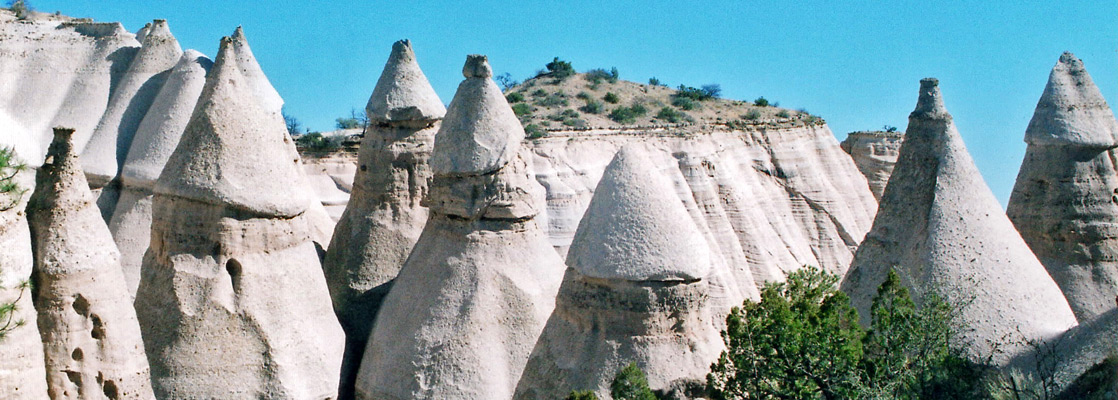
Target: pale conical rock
<point>58,74</point>
<point>942,229</point>
<point>478,287</point>
<point>131,100</point>
<point>155,140</point>
<point>234,153</point>
<point>403,93</point>
<point>875,154</point>
<point>636,229</point>
<point>90,334</point>
<point>631,294</point>
<point>142,32</point>
<point>1072,111</point>
<point>261,88</point>
<point>1063,202</point>
<point>21,350</point>
<point>481,134</point>
<point>232,301</point>
<point>384,217</point>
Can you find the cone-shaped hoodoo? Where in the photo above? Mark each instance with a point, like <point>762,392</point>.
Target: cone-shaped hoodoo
<point>261,88</point>
<point>473,297</point>
<point>231,299</point>
<point>636,291</point>
<point>1063,201</point>
<point>940,226</point>
<point>131,100</point>
<point>155,140</point>
<point>91,338</point>
<point>21,347</point>
<point>384,217</point>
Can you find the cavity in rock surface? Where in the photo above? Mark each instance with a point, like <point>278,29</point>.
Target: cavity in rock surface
<point>91,337</point>
<point>232,301</point>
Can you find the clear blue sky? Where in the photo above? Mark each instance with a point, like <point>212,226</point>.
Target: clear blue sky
<point>855,63</point>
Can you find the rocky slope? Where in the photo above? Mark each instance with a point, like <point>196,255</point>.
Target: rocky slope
<point>875,154</point>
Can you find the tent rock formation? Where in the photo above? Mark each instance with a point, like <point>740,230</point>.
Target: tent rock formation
<point>940,226</point>
<point>636,291</point>
<point>155,140</point>
<point>1064,200</point>
<point>473,297</point>
<point>384,217</point>
<point>91,337</point>
<point>231,299</point>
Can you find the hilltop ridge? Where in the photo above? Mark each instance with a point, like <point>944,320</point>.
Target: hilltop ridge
<point>598,99</point>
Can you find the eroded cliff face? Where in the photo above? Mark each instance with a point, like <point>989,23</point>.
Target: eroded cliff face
<point>875,154</point>
<point>769,199</point>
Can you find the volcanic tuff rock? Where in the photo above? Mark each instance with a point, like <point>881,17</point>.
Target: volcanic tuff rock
<point>21,348</point>
<point>942,229</point>
<point>57,73</point>
<point>1065,201</point>
<point>384,217</point>
<point>231,300</point>
<point>90,335</point>
<point>875,154</point>
<point>155,140</point>
<point>132,97</point>
<point>637,290</point>
<point>772,198</point>
<point>473,297</point>
<point>261,88</point>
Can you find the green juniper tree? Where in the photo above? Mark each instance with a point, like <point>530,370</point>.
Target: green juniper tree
<point>10,196</point>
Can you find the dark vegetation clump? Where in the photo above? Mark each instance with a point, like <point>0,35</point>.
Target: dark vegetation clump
<point>597,75</point>
<point>515,97</point>
<point>761,102</point>
<point>628,115</point>
<point>685,103</point>
<point>557,99</point>
<point>707,92</point>
<point>654,82</point>
<point>611,98</point>
<point>670,115</point>
<point>522,109</point>
<point>318,142</point>
<point>533,131</point>
<point>559,70</point>
<point>593,107</point>
<point>803,341</point>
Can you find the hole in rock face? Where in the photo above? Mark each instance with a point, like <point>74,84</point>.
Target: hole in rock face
<point>77,355</point>
<point>110,389</point>
<point>81,305</point>
<point>364,168</point>
<point>233,267</point>
<point>98,331</point>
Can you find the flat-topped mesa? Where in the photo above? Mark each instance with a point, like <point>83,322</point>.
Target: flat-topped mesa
<point>637,290</point>
<point>21,350</point>
<point>1072,111</point>
<point>484,134</point>
<point>156,138</point>
<point>231,297</point>
<point>942,228</point>
<point>1063,200</point>
<point>636,229</point>
<point>481,281</point>
<point>262,89</point>
<point>234,152</point>
<point>384,217</point>
<point>90,334</point>
<point>131,100</point>
<point>403,94</point>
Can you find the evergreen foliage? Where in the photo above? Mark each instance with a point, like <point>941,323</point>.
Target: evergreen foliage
<point>10,196</point>
<point>631,384</point>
